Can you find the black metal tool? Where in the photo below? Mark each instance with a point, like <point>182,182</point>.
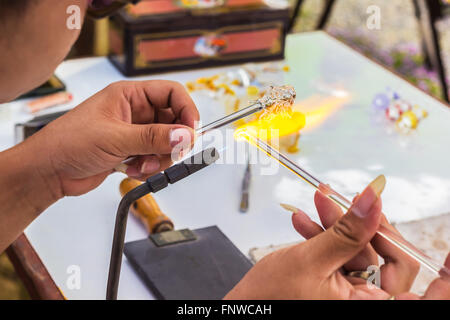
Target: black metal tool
<point>245,192</point>
<point>152,185</point>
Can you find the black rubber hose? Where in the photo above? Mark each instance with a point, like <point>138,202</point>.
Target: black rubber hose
<point>153,184</point>
<point>119,238</point>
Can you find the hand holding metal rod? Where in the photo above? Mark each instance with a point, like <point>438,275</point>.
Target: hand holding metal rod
<point>275,96</point>
<point>383,231</point>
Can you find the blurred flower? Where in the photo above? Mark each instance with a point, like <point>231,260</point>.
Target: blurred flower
<point>405,58</point>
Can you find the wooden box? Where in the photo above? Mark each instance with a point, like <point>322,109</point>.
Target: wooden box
<point>159,36</point>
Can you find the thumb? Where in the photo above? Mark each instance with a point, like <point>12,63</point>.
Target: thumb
<point>157,139</point>
<point>350,234</point>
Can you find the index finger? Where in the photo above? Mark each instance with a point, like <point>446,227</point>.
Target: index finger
<point>169,94</point>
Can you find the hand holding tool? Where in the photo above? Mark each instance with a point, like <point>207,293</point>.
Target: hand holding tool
<point>274,98</point>
<point>346,204</point>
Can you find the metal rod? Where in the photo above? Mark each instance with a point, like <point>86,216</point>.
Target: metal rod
<point>254,108</point>
<point>383,231</point>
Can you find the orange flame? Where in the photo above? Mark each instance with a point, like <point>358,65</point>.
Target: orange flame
<point>274,126</point>
<point>317,110</point>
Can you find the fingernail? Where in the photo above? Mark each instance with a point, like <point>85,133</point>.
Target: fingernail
<point>289,208</point>
<point>368,197</point>
<point>150,166</point>
<point>302,218</point>
<point>178,155</point>
<point>378,185</point>
<point>180,135</point>
<point>133,172</point>
<point>122,168</point>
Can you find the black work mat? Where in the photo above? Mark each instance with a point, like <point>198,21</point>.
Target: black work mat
<point>205,268</point>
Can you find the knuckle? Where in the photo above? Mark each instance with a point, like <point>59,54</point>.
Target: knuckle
<point>121,83</point>
<point>114,85</point>
<point>176,86</point>
<point>345,232</point>
<point>179,86</point>
<point>174,83</point>
<point>150,136</point>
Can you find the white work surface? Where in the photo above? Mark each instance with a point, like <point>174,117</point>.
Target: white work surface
<point>347,150</point>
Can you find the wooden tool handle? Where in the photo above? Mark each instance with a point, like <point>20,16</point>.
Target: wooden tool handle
<point>146,209</point>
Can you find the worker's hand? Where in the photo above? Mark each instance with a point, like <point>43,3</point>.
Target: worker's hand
<point>149,119</point>
<point>319,267</point>
<point>398,272</point>
<point>439,289</point>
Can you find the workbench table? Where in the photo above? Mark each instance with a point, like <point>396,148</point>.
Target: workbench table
<point>346,149</point>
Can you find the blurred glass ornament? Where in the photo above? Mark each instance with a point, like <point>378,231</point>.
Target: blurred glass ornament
<point>381,101</point>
